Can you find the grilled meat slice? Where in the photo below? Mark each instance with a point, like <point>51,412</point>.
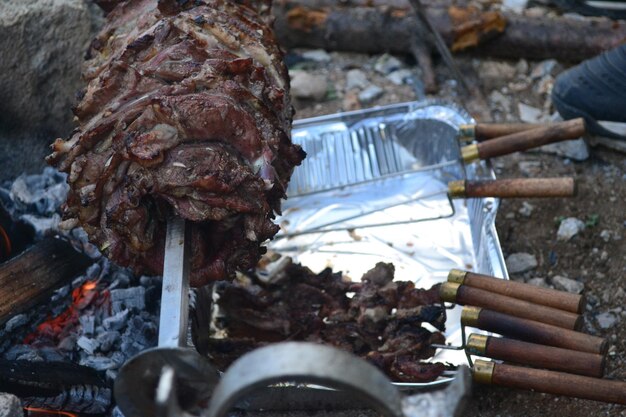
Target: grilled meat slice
<point>303,305</point>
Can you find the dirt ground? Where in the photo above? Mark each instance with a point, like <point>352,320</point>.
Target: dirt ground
<point>594,257</point>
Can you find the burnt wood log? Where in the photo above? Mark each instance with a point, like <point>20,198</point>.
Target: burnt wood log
<point>308,23</point>
<point>31,277</point>
<point>55,386</point>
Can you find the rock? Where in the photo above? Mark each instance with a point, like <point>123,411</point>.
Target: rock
<point>527,209</point>
<point>567,284</point>
<point>544,85</point>
<point>42,44</point>
<point>520,262</point>
<point>569,228</point>
<point>370,94</point>
<point>356,79</point>
<point>493,72</point>
<point>516,6</point>
<point>308,86</point>
<point>538,282</point>
<point>500,101</point>
<point>522,67</point>
<point>529,114</point>
<point>547,67</point>
<point>576,149</point>
<point>530,168</point>
<point>615,144</point>
<point>606,235</point>
<point>386,64</point>
<point>317,55</point>
<point>400,76</point>
<point>350,101</point>
<point>606,320</point>
<point>10,406</point>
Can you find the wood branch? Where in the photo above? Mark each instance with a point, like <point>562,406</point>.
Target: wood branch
<point>307,23</point>
<point>31,277</point>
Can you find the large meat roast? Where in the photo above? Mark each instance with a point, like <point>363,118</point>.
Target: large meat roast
<point>186,112</point>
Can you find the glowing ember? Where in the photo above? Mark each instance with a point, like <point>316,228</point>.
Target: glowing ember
<point>40,412</point>
<point>5,244</point>
<point>53,330</point>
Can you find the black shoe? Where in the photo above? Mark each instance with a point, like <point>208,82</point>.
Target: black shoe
<point>595,90</point>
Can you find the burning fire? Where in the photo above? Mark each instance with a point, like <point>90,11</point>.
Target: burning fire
<point>40,412</point>
<point>55,329</point>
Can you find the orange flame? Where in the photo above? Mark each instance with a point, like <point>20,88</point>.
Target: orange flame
<point>41,412</point>
<point>55,329</point>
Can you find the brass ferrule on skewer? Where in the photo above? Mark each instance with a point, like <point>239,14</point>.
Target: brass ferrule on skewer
<point>456,275</point>
<point>469,316</point>
<point>467,131</point>
<point>469,153</point>
<point>477,344</point>
<point>456,188</point>
<point>447,292</point>
<point>483,371</point>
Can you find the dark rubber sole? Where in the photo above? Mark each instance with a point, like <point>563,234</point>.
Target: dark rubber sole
<point>568,111</point>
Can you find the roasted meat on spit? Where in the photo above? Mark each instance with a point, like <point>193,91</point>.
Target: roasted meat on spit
<point>186,112</point>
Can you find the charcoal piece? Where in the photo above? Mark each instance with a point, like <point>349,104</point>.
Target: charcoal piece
<point>117,321</point>
<point>107,340</point>
<point>128,298</point>
<point>10,406</point>
<point>87,344</point>
<point>55,385</point>
<point>88,324</point>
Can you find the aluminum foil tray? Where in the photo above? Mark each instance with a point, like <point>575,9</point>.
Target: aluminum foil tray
<point>357,200</point>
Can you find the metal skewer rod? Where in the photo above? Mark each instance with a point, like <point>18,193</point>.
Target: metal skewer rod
<point>440,44</point>
<point>175,292</point>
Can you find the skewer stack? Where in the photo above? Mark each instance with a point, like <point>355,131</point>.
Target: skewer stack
<point>541,331</point>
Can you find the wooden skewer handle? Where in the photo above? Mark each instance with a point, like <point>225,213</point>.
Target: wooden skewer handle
<point>513,188</point>
<point>525,140</point>
<point>562,300</point>
<point>469,296</point>
<point>532,331</point>
<point>485,131</point>
<point>538,356</point>
<point>551,382</point>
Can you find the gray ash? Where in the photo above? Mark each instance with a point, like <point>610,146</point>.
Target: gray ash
<point>104,317</point>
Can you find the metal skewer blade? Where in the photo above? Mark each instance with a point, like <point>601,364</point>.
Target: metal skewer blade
<point>175,292</point>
